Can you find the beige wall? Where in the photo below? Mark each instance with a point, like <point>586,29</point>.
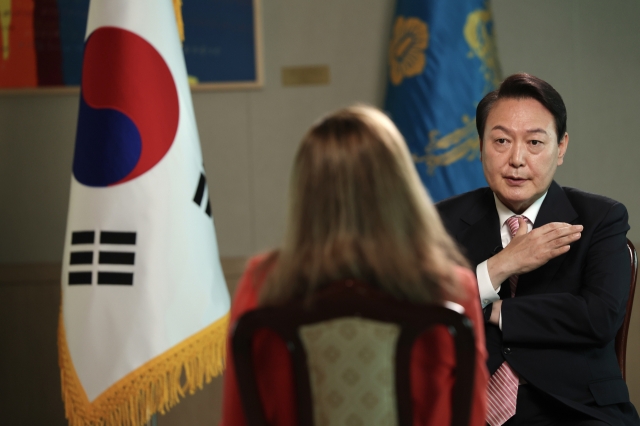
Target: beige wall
<point>588,49</point>
<point>248,137</point>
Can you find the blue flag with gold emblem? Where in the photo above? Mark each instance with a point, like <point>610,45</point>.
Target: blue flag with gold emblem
<point>442,61</point>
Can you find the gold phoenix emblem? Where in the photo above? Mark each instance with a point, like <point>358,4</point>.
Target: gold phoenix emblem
<point>445,150</point>
<point>482,44</point>
<point>407,56</point>
<point>463,143</point>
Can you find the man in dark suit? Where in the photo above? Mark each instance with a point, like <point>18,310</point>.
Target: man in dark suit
<point>554,279</point>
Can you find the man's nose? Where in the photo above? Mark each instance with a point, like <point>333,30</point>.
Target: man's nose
<point>517,155</point>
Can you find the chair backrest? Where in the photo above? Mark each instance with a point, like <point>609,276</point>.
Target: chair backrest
<point>345,303</point>
<point>621,337</point>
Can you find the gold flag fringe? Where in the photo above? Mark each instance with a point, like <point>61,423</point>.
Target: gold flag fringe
<point>177,8</point>
<point>154,387</point>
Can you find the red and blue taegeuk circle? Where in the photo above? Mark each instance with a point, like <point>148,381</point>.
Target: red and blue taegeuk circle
<point>129,109</point>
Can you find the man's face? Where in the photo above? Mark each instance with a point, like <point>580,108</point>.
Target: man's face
<point>520,151</point>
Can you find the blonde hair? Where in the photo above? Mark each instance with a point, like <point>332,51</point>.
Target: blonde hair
<point>358,210</point>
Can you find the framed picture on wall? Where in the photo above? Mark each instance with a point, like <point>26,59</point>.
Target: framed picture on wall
<point>43,44</point>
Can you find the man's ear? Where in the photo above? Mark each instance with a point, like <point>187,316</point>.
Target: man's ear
<point>563,144</point>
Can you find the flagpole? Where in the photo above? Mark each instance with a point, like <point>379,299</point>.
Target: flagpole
<point>153,421</point>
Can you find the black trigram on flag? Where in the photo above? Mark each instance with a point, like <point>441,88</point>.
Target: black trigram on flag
<point>198,197</point>
<point>112,267</point>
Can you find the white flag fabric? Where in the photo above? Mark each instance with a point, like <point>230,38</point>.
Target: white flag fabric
<point>144,301</point>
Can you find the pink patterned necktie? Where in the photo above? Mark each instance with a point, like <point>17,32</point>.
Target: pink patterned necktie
<point>503,384</point>
<point>513,224</point>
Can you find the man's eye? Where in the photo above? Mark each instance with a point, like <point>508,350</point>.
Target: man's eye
<point>535,142</point>
<point>501,141</point>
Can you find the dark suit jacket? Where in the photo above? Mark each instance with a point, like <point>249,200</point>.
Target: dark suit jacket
<point>558,331</point>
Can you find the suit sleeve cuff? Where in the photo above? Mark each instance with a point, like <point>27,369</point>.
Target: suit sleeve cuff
<point>487,293</point>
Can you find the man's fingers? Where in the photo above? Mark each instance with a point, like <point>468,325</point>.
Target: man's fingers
<point>528,251</point>
<point>559,237</point>
<point>563,241</point>
<point>570,238</point>
<point>559,229</point>
<point>561,245</point>
<point>557,252</point>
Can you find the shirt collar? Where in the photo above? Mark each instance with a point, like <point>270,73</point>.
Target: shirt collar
<point>531,213</point>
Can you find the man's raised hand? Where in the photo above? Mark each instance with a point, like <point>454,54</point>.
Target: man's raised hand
<point>528,251</point>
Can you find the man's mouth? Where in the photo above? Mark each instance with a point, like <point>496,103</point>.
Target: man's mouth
<point>514,180</point>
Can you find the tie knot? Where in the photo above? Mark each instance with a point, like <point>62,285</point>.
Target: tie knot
<point>514,224</point>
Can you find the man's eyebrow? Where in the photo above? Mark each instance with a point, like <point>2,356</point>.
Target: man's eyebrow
<point>504,129</point>
<point>499,127</point>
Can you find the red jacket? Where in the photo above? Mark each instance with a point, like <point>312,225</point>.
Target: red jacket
<point>432,364</point>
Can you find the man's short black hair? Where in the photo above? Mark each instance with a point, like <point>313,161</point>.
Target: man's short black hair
<point>523,86</point>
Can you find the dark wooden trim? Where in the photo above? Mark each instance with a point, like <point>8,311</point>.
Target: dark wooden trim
<point>623,332</point>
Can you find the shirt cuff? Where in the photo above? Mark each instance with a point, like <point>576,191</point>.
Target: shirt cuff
<point>487,293</point>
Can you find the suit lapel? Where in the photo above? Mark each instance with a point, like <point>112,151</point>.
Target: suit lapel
<point>480,232</point>
<point>556,207</point>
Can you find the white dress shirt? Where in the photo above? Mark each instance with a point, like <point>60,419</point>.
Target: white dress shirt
<point>487,293</point>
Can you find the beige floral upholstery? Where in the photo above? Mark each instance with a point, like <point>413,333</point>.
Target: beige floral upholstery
<point>351,365</point>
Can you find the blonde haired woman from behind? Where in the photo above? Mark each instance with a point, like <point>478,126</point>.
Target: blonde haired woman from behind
<point>357,210</point>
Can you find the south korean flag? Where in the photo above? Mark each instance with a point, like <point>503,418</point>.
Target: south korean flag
<point>144,300</point>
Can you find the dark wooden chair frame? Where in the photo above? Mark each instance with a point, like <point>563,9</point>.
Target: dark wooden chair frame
<point>351,299</point>
<point>623,332</point>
